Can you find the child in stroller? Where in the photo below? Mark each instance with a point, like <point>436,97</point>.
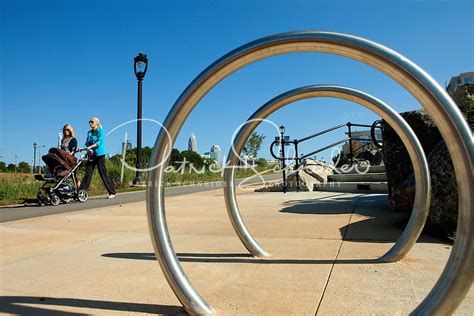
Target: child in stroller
<point>62,183</point>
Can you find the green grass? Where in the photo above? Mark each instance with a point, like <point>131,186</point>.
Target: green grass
<point>19,188</point>
<point>15,188</point>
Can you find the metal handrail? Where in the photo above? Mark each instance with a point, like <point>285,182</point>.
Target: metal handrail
<point>323,148</point>
<point>348,124</point>
<point>281,140</point>
<point>322,132</point>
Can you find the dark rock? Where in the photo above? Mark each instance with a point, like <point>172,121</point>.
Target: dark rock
<point>442,220</point>
<point>443,217</point>
<point>374,157</point>
<point>396,159</point>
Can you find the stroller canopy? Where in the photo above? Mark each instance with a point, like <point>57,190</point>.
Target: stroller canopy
<point>59,162</point>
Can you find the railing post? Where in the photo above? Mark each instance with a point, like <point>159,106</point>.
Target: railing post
<point>283,164</point>
<point>351,154</point>
<point>297,165</point>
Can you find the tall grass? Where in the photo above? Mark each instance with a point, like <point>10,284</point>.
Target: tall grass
<point>17,188</point>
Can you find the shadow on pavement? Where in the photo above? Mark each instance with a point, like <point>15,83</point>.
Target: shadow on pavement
<point>17,305</point>
<point>235,258</point>
<point>380,225</point>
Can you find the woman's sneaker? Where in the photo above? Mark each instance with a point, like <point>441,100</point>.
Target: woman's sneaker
<point>112,196</point>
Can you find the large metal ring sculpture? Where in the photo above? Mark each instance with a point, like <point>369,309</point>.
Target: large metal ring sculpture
<point>415,150</point>
<point>457,276</point>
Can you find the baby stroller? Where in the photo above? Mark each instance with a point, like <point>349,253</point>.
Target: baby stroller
<point>61,184</point>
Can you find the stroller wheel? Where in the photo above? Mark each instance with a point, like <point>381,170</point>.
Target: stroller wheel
<point>82,196</point>
<point>42,198</point>
<point>41,201</point>
<point>55,200</point>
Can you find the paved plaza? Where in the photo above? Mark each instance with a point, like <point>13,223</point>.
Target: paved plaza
<point>323,249</point>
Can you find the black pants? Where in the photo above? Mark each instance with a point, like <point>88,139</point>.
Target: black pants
<point>98,161</point>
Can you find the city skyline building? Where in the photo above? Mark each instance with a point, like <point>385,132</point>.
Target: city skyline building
<point>216,154</point>
<point>192,143</point>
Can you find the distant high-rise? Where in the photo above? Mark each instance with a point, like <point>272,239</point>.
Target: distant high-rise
<point>216,155</point>
<point>192,144</point>
<point>126,146</point>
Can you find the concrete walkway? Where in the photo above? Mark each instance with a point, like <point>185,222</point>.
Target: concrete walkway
<point>323,246</point>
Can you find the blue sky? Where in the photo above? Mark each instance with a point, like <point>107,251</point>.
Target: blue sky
<point>65,61</point>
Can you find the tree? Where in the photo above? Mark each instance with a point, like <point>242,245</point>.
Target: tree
<point>253,144</point>
<point>146,156</point>
<point>194,158</point>
<point>24,167</point>
<point>3,166</point>
<point>131,157</point>
<point>208,162</point>
<point>11,167</point>
<point>176,156</point>
<point>262,162</point>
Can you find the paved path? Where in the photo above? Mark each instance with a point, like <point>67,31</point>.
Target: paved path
<point>22,212</point>
<point>323,249</point>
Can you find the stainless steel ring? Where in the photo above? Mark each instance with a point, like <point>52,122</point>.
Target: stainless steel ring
<point>420,164</point>
<point>457,276</point>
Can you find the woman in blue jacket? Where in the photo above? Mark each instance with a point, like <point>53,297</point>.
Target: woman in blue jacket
<point>96,150</point>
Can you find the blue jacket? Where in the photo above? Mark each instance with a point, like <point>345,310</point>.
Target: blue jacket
<point>96,137</point>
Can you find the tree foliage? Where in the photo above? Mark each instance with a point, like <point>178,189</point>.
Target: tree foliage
<point>262,162</point>
<point>253,144</point>
<point>193,157</point>
<point>131,157</point>
<point>176,157</point>
<point>23,167</point>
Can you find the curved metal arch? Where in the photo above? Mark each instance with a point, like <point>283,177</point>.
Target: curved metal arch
<point>420,164</point>
<point>457,276</point>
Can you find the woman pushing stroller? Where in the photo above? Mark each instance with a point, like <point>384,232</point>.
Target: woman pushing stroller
<point>63,166</point>
<point>96,151</point>
<point>62,183</point>
<point>61,161</point>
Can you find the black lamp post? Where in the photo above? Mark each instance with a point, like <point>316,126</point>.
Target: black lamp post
<point>34,157</point>
<point>140,67</point>
<point>283,164</point>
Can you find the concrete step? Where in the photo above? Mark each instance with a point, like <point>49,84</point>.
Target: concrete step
<point>354,170</point>
<point>352,187</point>
<point>354,177</point>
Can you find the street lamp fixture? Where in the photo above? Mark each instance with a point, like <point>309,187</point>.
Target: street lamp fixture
<point>282,129</point>
<point>140,67</point>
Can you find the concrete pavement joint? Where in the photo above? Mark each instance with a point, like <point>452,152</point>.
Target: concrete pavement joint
<point>337,254</point>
